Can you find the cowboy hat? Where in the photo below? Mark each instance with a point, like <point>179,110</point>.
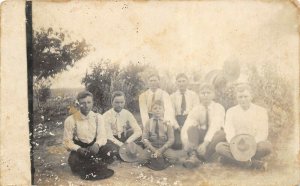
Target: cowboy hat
<point>157,164</point>
<point>131,152</point>
<point>243,147</point>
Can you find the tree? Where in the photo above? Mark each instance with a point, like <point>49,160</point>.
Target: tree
<point>100,82</point>
<point>53,52</point>
<point>107,77</point>
<point>130,82</point>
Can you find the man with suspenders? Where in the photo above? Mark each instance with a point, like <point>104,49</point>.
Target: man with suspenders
<point>85,138</point>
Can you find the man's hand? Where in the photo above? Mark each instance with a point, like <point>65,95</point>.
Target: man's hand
<point>202,148</point>
<point>156,154</point>
<point>84,152</point>
<point>94,149</point>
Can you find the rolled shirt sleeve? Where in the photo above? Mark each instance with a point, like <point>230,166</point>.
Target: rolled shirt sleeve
<point>69,126</point>
<point>194,119</point>
<point>143,108</point>
<point>101,131</point>
<point>169,110</point>
<point>171,139</point>
<point>137,131</point>
<point>217,115</point>
<point>145,137</point>
<point>229,128</point>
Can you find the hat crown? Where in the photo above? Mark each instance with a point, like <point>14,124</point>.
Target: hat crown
<point>242,145</point>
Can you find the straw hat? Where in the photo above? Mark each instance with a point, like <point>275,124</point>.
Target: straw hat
<point>243,147</point>
<point>131,152</point>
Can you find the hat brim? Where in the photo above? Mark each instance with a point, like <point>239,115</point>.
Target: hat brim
<point>128,157</point>
<point>157,164</point>
<point>246,154</point>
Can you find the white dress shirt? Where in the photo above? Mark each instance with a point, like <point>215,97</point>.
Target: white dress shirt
<point>191,98</point>
<point>145,103</point>
<point>253,121</point>
<point>197,117</point>
<point>116,124</point>
<point>86,130</point>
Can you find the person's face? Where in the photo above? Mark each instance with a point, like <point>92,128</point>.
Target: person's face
<point>182,84</point>
<point>118,103</point>
<point>244,99</point>
<point>86,105</point>
<point>153,82</point>
<point>206,96</point>
<point>158,111</point>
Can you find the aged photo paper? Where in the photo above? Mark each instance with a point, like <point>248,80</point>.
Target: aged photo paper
<point>56,54</point>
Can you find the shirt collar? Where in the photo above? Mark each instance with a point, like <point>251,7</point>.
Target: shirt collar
<point>185,92</point>
<point>159,119</point>
<point>90,114</point>
<point>210,104</point>
<point>250,107</point>
<point>155,90</point>
<point>116,113</point>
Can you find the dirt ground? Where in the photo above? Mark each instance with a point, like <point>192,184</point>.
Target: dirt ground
<point>51,168</point>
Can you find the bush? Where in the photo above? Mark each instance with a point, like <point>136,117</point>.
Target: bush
<point>274,92</point>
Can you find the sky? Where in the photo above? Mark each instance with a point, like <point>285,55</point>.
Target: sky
<point>178,36</point>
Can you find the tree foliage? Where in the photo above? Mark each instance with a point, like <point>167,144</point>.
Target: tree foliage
<point>274,92</point>
<point>100,82</point>
<point>54,52</point>
<point>131,83</point>
<point>107,77</point>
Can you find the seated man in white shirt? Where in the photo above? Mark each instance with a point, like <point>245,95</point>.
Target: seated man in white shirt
<point>85,137</point>
<point>184,100</point>
<point>246,118</point>
<point>154,93</point>
<point>202,130</point>
<point>121,126</point>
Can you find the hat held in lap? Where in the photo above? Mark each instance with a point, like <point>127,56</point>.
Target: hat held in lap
<point>243,147</point>
<point>131,152</point>
<point>157,164</point>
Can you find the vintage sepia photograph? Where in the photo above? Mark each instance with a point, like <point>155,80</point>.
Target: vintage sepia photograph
<point>168,93</point>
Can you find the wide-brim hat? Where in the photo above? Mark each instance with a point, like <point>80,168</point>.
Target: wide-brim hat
<point>243,147</point>
<point>96,172</point>
<point>157,164</point>
<point>131,152</point>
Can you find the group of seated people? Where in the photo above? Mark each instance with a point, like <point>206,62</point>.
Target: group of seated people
<point>183,128</point>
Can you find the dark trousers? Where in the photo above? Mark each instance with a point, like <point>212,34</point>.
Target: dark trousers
<point>177,145</point>
<point>263,149</point>
<point>79,163</point>
<point>196,137</point>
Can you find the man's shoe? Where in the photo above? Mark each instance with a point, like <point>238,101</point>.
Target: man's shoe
<point>192,162</point>
<point>260,165</point>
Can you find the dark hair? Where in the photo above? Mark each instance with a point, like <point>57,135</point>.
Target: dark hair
<point>84,94</point>
<point>117,94</point>
<point>182,75</point>
<point>157,102</point>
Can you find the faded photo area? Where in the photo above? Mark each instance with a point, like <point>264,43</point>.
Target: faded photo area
<point>165,93</point>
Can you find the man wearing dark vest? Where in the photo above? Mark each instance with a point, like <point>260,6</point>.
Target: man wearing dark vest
<point>85,138</point>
